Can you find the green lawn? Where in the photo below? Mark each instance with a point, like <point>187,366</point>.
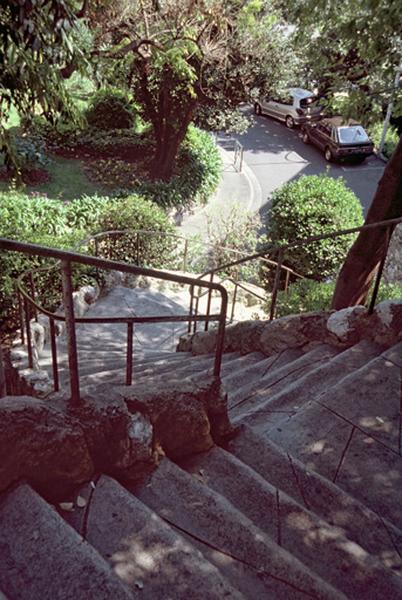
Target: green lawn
<point>67,181</point>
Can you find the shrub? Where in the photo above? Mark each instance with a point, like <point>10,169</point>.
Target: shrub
<point>52,223</point>
<point>391,138</point>
<point>231,235</point>
<point>314,205</point>
<point>197,174</point>
<point>110,109</point>
<point>306,295</point>
<point>137,213</point>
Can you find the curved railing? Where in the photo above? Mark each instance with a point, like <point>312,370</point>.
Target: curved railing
<point>29,305</point>
<point>280,251</point>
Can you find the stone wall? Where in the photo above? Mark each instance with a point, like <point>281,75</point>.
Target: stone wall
<point>341,328</point>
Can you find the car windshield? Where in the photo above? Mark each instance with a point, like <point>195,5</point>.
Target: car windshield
<point>352,135</point>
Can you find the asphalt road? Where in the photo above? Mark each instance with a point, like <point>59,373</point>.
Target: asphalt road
<point>277,155</point>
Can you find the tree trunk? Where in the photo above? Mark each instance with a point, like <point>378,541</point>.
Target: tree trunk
<point>364,257</point>
<point>168,141</point>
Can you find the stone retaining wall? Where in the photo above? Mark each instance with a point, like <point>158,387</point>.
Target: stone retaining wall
<point>339,328</point>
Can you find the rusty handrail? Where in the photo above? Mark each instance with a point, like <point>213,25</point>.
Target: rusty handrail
<point>281,250</point>
<point>67,258</point>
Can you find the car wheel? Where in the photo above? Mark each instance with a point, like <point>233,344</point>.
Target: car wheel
<point>328,154</point>
<point>289,122</point>
<point>257,108</point>
<point>305,137</point>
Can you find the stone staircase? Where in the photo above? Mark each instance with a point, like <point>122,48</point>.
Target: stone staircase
<point>290,508</point>
<point>302,502</point>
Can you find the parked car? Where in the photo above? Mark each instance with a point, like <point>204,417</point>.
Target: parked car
<point>338,139</point>
<point>296,107</point>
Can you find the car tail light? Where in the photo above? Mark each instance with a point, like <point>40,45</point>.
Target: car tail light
<point>299,111</point>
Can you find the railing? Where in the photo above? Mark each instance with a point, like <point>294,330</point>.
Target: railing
<point>29,307</point>
<point>280,252</point>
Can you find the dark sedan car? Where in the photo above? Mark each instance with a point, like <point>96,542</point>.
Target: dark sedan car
<point>338,139</point>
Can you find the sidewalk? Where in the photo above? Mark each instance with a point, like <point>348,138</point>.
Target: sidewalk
<point>235,188</point>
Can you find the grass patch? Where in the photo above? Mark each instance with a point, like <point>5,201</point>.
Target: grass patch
<point>67,181</point>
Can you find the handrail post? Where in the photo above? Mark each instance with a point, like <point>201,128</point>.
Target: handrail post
<point>21,316</point>
<point>29,333</point>
<point>129,361</point>
<point>380,270</point>
<point>54,354</point>
<point>190,314</point>
<point>3,390</point>
<point>33,294</point>
<point>276,284</point>
<point>185,255</point>
<point>233,303</point>
<point>70,328</point>
<point>220,336</point>
<point>208,311</point>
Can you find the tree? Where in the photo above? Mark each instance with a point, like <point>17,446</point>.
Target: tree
<point>355,46</point>
<point>36,55</point>
<point>178,55</point>
<point>352,46</point>
<point>369,248</point>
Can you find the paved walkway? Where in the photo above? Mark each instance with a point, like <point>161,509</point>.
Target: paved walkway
<point>235,188</point>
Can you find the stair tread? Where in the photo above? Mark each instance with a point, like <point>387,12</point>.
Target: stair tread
<point>370,530</point>
<point>193,507</point>
<point>266,411</point>
<point>352,438</point>
<point>145,552</point>
<point>343,564</point>
<point>279,375</point>
<point>36,544</point>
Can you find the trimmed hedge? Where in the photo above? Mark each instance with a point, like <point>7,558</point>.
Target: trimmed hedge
<point>314,205</point>
<point>110,109</point>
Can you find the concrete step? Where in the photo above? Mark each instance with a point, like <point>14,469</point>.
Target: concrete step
<point>286,402</point>
<point>145,552</point>
<point>368,529</point>
<point>278,376</point>
<point>322,547</point>
<point>43,558</point>
<point>319,545</point>
<point>352,434</point>
<point>246,555</point>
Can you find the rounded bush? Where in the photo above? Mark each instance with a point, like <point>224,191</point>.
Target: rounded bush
<point>310,206</point>
<point>135,213</point>
<point>110,109</point>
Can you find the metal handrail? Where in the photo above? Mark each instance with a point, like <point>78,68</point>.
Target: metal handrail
<point>67,258</point>
<point>281,251</point>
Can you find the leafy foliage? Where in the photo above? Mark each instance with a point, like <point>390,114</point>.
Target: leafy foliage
<point>110,109</point>
<point>231,235</point>
<point>314,205</point>
<point>37,44</point>
<point>307,295</point>
<point>177,56</point>
<point>52,223</point>
<point>351,46</point>
<point>391,138</point>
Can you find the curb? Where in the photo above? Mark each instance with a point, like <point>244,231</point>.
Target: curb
<point>254,201</point>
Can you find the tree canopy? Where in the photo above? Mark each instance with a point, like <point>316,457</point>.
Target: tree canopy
<point>350,46</point>
<point>37,52</point>
<point>178,55</point>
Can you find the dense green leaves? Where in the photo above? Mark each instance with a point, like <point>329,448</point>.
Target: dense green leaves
<point>314,205</point>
